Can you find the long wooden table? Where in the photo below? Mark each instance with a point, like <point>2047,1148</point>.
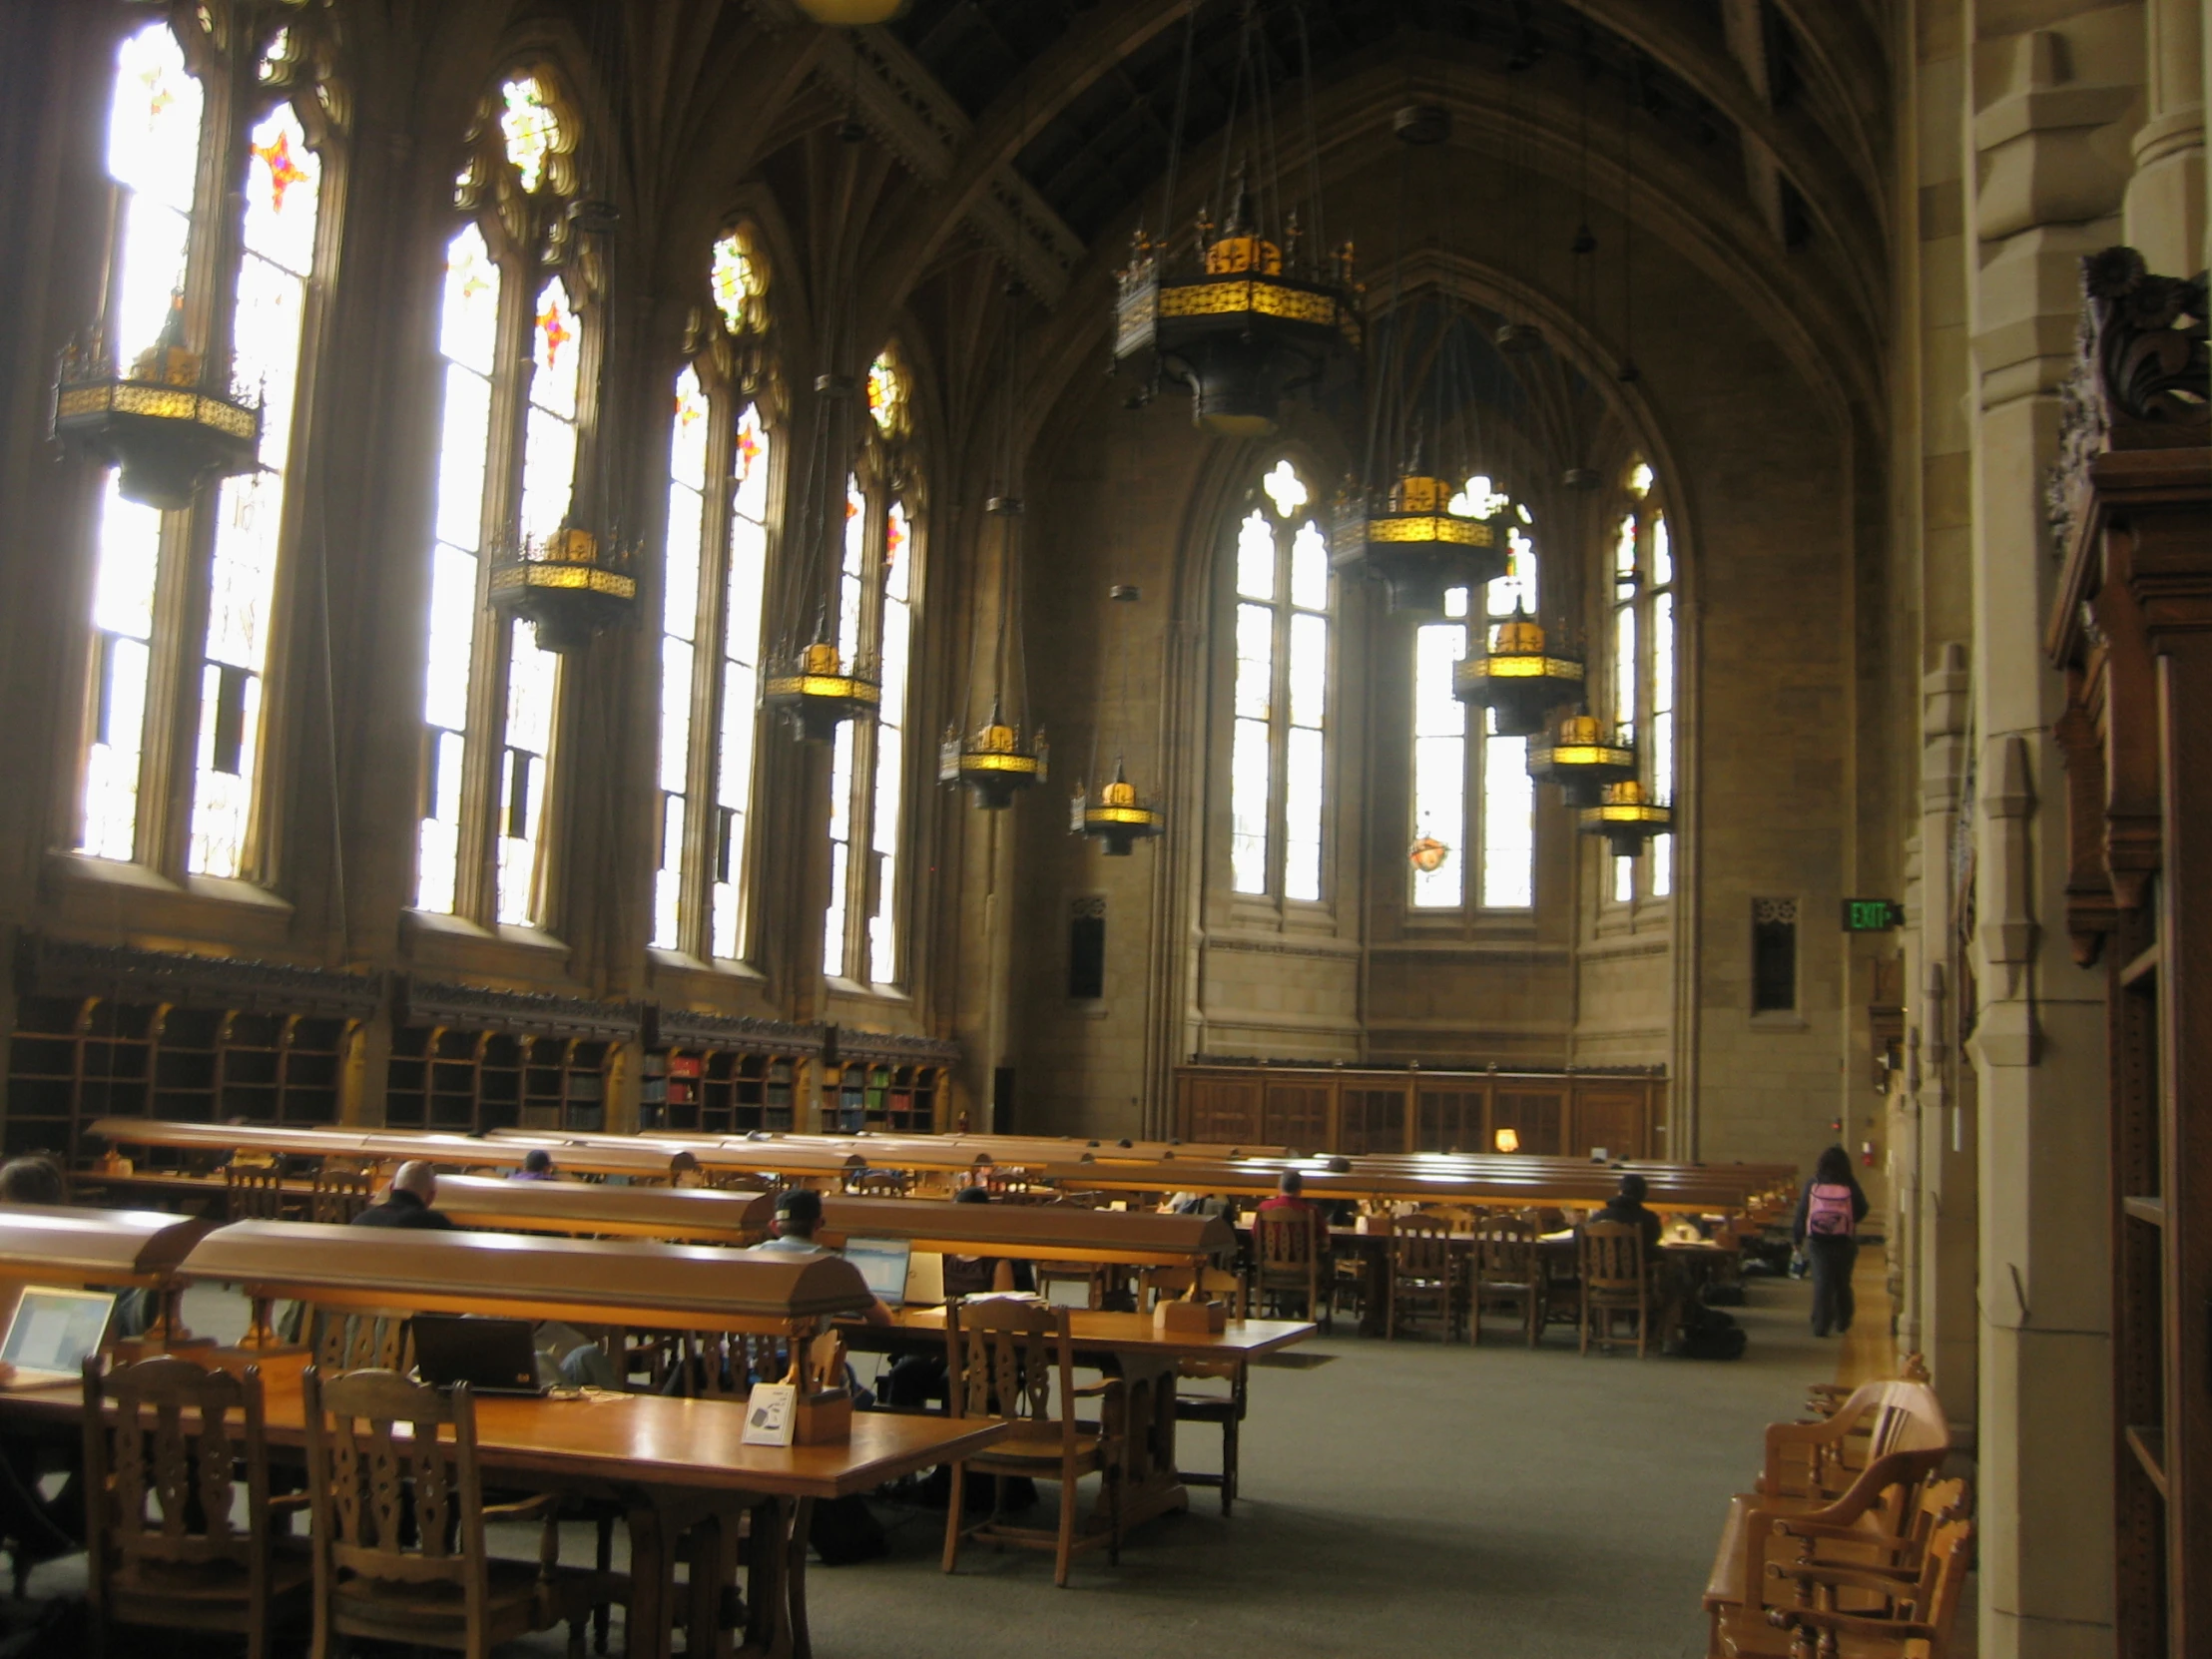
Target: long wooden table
<point>677,1467</point>
<point>1127,1345</point>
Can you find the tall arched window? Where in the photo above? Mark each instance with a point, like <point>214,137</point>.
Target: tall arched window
<point>1642,668</point>
<point>876,590</point>
<point>1496,841</point>
<point>512,339</point>
<point>718,547</point>
<point>1278,742</point>
<point>217,237</point>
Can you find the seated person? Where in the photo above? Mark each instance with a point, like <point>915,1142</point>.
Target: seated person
<point>980,1275</point>
<point>1290,1194</point>
<point>537,1165</point>
<point>1628,1205</point>
<point>34,1179</point>
<point>414,1185</point>
<point>798,1217</point>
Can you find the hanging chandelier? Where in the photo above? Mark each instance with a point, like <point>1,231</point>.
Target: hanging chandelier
<point>1580,760</point>
<point>818,692</point>
<point>1258,306</point>
<point>567,586</point>
<point>1628,817</point>
<point>997,759</point>
<point>1417,544</point>
<point>1117,818</point>
<point>1520,678</point>
<point>162,425</point>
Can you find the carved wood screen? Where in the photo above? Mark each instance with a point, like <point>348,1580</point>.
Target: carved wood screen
<point>2132,632</point>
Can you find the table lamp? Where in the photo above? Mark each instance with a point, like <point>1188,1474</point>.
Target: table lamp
<point>1508,1140</point>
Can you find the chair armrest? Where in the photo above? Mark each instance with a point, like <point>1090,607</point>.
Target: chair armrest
<point>1880,1580</point>
<point>1094,1391</point>
<point>533,1507</point>
<point>1791,1526</point>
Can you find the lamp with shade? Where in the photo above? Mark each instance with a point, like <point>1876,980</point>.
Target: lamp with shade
<point>1508,1140</point>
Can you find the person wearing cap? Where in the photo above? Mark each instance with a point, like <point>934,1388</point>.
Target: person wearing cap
<point>537,1165</point>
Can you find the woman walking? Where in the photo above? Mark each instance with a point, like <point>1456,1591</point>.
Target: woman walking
<point>1829,1212</point>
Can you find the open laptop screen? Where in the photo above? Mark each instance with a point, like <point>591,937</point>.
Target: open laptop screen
<point>56,1331</point>
<point>882,1263</point>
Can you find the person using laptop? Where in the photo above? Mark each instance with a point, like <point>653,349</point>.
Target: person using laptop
<point>413,1187</point>
<point>797,1217</point>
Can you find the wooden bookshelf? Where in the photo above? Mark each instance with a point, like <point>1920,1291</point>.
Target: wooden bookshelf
<point>471,1082</point>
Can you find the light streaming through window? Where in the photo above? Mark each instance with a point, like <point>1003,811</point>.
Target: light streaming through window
<point>1279,700</point>
<point>743,585</point>
<point>283,191</point>
<point>680,613</point>
<point>154,130</point>
<point>1644,668</point>
<point>890,748</point>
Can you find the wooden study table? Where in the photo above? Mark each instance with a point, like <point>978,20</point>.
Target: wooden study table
<point>676,1466</point>
<point>1129,1346</point>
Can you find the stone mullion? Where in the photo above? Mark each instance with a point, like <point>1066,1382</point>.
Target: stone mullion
<point>701,767</point>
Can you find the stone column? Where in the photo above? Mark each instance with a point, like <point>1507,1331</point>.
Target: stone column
<point>2165,216</point>
<point>2044,103</point>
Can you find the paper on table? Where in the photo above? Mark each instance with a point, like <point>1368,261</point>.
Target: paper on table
<point>771,1414</point>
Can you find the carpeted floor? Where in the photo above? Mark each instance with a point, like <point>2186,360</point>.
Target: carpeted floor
<point>1402,1497</point>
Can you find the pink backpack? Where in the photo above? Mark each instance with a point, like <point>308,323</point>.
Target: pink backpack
<point>1829,1215</point>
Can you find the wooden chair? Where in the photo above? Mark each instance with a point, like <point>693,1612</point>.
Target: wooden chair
<point>1615,1283</point>
<point>252,1192</point>
<point>182,1438</point>
<point>339,1195</point>
<point>1013,1360</point>
<point>1224,1411</point>
<point>1912,1617</point>
<point>344,1341</point>
<point>399,1526</point>
<point>1509,1269</point>
<point>724,1365</point>
<point>1287,1257</point>
<point>1425,1278</point>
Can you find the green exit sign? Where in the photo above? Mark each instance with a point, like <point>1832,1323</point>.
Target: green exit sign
<point>1872,915</point>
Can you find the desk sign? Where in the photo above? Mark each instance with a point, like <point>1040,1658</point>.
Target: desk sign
<point>1872,915</point>
<point>771,1414</point>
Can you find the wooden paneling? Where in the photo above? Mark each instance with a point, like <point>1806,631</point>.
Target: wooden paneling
<point>1224,1109</point>
<point>1452,1120</point>
<point>1609,1118</point>
<point>1297,1115</point>
<point>1371,1120</point>
<point>1533,1114</point>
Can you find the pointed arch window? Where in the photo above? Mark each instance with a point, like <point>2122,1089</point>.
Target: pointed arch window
<point>876,591</point>
<point>718,520</point>
<point>1643,670</point>
<point>1474,804</point>
<point>218,232</point>
<point>515,339</point>
<point>1277,748</point>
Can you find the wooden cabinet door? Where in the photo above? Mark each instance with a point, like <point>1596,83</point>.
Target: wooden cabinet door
<point>1611,1118</point>
<point>1534,1115</point>
<point>1296,1116</point>
<point>1373,1120</point>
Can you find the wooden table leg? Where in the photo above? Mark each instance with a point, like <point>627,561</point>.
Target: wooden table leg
<point>645,1632</point>
<point>802,1644</point>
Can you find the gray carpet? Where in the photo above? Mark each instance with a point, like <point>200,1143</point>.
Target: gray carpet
<point>1405,1496</point>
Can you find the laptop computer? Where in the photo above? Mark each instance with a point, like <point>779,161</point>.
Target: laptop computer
<point>492,1355</point>
<point>925,1280</point>
<point>53,1333</point>
<point>882,1263</point>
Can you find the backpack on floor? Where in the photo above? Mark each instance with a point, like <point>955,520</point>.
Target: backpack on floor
<point>1709,1334</point>
<point>1827,1212</point>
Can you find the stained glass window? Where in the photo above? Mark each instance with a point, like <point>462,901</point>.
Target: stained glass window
<point>679,614</point>
<point>886,395</point>
<point>468,337</point>
<point>154,138</point>
<point>738,277</point>
<point>1643,670</point>
<point>530,128</point>
<point>890,748</point>
<point>1278,745</point>
<point>1471,790</point>
<point>283,193</point>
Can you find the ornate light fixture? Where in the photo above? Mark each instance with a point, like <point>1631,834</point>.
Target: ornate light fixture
<point>1580,760</point>
<point>1417,544</point>
<point>1627,819</point>
<point>994,761</point>
<point>1519,678</point>
<point>816,694</point>
<point>162,425</point>
<point>565,585</point>
<point>1250,313</point>
<point>1118,818</point>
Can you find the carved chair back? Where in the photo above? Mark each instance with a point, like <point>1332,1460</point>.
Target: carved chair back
<point>252,1192</point>
<point>1612,1259</point>
<point>398,1508</point>
<point>724,1365</point>
<point>1421,1248</point>
<point>1013,1359</point>
<point>1506,1250</point>
<point>160,1477</point>
<point>340,1194</point>
<point>344,1341</point>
